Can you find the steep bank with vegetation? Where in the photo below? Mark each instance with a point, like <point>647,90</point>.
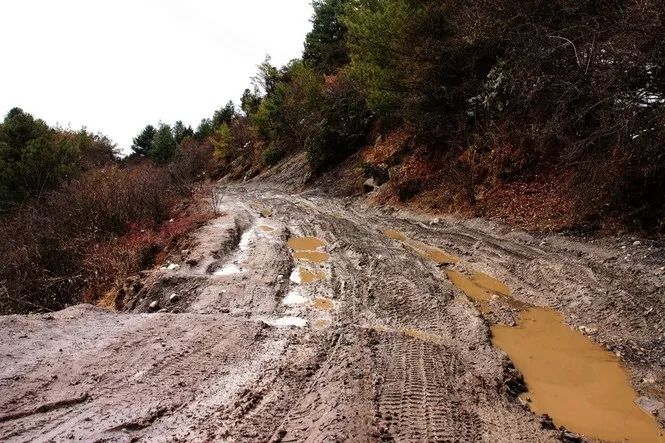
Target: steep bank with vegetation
<point>77,220</point>
<point>548,114</point>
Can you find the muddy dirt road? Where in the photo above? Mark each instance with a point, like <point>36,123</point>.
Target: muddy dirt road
<point>308,318</point>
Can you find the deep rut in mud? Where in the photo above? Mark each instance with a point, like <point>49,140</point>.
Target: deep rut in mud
<point>295,317</point>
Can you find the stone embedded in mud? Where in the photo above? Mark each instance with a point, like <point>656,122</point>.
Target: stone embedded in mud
<point>153,305</point>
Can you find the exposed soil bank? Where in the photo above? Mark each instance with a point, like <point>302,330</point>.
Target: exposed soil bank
<point>383,346</point>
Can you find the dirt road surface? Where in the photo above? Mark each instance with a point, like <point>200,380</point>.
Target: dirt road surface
<point>370,341</point>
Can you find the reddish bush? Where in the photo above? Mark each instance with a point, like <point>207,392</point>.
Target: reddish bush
<point>87,234</point>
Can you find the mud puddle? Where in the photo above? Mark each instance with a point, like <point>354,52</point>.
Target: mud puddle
<point>305,276</point>
<point>573,380</point>
<point>308,249</point>
<point>580,385</point>
<point>423,249</point>
<point>323,304</point>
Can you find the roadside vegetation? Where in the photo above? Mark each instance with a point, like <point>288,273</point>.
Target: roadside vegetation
<point>555,104</point>
<point>77,220</point>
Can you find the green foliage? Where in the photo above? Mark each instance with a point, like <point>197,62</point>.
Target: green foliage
<point>325,45</point>
<point>342,129</point>
<point>180,132</point>
<point>267,77</point>
<point>288,113</point>
<point>143,142</point>
<point>223,142</point>
<point>377,33</point>
<point>250,101</point>
<point>204,130</point>
<point>164,144</point>
<point>35,158</point>
<point>224,115</point>
<point>272,155</point>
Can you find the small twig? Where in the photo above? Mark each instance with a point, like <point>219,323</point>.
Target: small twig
<point>573,44</point>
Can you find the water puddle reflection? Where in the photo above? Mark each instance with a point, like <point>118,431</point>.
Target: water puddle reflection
<point>573,380</point>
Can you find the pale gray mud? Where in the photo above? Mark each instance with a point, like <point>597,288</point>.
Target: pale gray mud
<point>230,343</point>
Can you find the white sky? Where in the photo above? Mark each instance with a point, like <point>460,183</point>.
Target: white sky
<point>114,66</point>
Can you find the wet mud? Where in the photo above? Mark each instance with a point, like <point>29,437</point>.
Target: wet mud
<point>376,347</point>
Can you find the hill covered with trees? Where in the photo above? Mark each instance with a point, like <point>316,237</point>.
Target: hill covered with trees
<point>498,107</point>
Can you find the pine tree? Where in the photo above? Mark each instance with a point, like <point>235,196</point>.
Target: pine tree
<point>143,142</point>
<point>163,145</point>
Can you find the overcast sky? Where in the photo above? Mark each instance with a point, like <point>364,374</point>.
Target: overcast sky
<point>116,65</point>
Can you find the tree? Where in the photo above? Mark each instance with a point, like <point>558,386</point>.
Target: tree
<point>223,115</point>
<point>204,130</point>
<point>267,78</point>
<point>143,142</point>
<point>163,145</point>
<point>325,45</point>
<point>180,131</point>
<point>223,142</point>
<point>250,101</point>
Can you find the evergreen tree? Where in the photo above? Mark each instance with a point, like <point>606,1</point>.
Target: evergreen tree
<point>204,130</point>
<point>180,131</point>
<point>224,115</point>
<point>143,142</point>
<point>163,145</point>
<point>325,45</point>
<point>250,101</point>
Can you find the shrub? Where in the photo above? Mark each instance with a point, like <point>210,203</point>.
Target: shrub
<point>46,242</point>
<point>272,155</point>
<point>342,129</point>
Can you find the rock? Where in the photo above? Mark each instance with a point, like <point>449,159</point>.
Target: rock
<point>637,243</point>
<point>435,221</point>
<point>650,405</point>
<point>154,305</point>
<point>173,298</point>
<point>570,437</point>
<point>172,267</point>
<point>369,185</point>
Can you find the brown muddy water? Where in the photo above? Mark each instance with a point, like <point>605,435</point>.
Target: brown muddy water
<point>429,252</point>
<point>307,249</point>
<point>573,380</point>
<point>323,304</point>
<point>307,276</point>
<point>580,385</point>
